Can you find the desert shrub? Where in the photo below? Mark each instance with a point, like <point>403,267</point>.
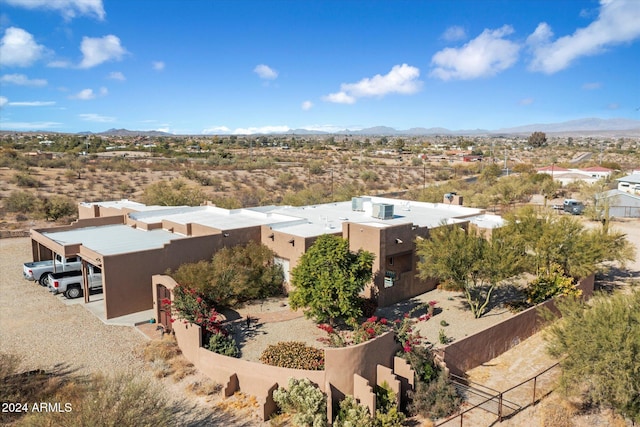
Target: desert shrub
<point>174,193</point>
<point>306,403</point>
<point>164,349</point>
<point>293,354</point>
<point>598,344</point>
<point>56,207</point>
<point>24,179</point>
<point>369,176</point>
<point>421,361</point>
<point>549,285</point>
<point>224,345</point>
<point>352,414</point>
<point>435,399</point>
<point>316,167</point>
<point>204,388</point>
<point>21,201</point>
<point>119,400</point>
<point>557,413</point>
<point>387,413</point>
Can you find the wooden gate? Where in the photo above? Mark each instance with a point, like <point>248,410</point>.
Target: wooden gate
<point>164,311</point>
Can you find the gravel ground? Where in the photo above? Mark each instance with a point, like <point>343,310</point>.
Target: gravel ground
<point>47,333</point>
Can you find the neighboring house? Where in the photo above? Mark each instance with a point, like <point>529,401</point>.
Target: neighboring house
<point>630,183</point>
<point>567,176</point>
<point>131,242</point>
<point>620,204</point>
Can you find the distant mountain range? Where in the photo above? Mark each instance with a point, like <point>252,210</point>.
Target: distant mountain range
<point>581,127</point>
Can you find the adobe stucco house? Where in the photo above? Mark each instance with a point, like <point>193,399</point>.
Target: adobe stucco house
<point>132,242</point>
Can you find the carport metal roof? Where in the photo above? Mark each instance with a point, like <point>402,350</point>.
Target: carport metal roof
<point>114,239</point>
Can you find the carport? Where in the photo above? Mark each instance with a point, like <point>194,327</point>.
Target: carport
<point>127,256</point>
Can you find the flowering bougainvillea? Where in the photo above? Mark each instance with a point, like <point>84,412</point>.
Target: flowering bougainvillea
<point>190,307</point>
<point>404,331</point>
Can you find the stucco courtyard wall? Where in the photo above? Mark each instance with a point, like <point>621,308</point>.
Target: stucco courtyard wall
<point>474,350</point>
<point>353,370</point>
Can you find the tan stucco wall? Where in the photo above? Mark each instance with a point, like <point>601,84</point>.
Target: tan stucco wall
<point>257,379</point>
<point>472,351</point>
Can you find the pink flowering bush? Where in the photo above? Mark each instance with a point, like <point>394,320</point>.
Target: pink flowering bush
<point>372,327</point>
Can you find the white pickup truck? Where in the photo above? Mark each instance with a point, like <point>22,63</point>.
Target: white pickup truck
<point>69,283</point>
<point>39,270</point>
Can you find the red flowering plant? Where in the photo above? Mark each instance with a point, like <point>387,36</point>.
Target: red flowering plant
<point>359,333</point>
<point>191,307</point>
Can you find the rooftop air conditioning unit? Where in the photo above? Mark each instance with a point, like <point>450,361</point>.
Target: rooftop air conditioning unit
<point>382,211</point>
<point>357,204</point>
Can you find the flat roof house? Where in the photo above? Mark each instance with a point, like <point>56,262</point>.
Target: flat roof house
<point>132,242</point>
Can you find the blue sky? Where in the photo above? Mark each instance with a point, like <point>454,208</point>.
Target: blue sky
<point>236,66</point>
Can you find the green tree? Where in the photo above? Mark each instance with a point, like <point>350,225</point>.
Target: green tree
<point>563,240</point>
<point>234,275</point>
<point>21,201</point>
<point>329,278</point>
<point>56,207</point>
<point>469,262</point>
<point>599,347</point>
<point>537,139</point>
<point>174,193</point>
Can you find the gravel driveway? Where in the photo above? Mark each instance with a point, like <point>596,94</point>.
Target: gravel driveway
<point>46,333</point>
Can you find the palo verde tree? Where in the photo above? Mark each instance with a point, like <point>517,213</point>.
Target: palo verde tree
<point>469,262</point>
<point>329,278</point>
<point>599,347</point>
<point>563,240</point>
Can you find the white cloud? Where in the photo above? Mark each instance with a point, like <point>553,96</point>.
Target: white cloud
<point>96,50</point>
<point>339,98</point>
<point>402,79</point>
<point>592,86</point>
<point>22,80</point>
<point>613,106</point>
<point>158,65</point>
<point>68,8</point>
<point>104,91</point>
<point>485,56</point>
<point>19,48</point>
<point>29,125</point>
<point>617,23</point>
<point>265,72</point>
<point>526,101</point>
<point>263,129</point>
<point>216,130</point>
<point>59,63</point>
<point>91,117</point>
<point>307,105</point>
<point>454,33</point>
<point>3,101</point>
<point>84,95</point>
<point>117,75</point>
<point>32,103</point>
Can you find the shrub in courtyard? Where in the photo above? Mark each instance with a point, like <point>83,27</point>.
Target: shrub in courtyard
<point>189,306</point>
<point>550,284</point>
<point>224,345</point>
<point>293,354</point>
<point>352,414</point>
<point>234,275</point>
<point>306,403</point>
